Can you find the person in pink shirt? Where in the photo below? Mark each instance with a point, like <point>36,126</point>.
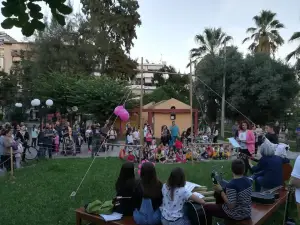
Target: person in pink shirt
<point>246,140</point>
<point>180,157</point>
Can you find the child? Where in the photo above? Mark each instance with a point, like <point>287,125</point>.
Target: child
<point>221,152</point>
<point>171,156</point>
<point>153,145</point>
<point>148,137</point>
<point>180,157</point>
<point>129,137</point>
<point>56,143</point>
<point>174,196</point>
<point>236,197</point>
<point>78,142</point>
<point>178,144</point>
<point>160,156</point>
<point>130,157</point>
<point>18,154</point>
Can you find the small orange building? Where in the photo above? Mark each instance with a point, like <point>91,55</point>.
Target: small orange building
<point>159,114</point>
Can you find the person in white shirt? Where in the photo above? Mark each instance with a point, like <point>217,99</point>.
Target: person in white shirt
<point>129,137</point>
<point>295,181</point>
<point>136,136</point>
<point>174,196</point>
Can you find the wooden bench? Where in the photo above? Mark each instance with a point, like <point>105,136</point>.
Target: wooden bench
<point>260,213</point>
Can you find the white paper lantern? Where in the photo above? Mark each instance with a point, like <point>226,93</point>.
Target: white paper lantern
<point>49,102</point>
<point>35,102</point>
<point>19,105</point>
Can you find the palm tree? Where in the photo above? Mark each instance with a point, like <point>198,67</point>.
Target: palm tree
<point>265,35</point>
<point>296,52</point>
<point>209,42</point>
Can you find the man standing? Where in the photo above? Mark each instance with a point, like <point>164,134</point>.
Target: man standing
<point>271,135</point>
<point>174,129</point>
<point>295,181</point>
<point>48,140</point>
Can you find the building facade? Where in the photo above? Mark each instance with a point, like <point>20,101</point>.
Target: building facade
<point>11,51</point>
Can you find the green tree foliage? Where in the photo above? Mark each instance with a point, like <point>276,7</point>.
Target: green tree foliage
<point>110,29</point>
<point>210,42</point>
<point>62,49</point>
<point>95,95</point>
<point>259,87</point>
<point>169,86</point>
<point>27,14</point>
<point>8,89</point>
<point>265,34</point>
<point>296,52</point>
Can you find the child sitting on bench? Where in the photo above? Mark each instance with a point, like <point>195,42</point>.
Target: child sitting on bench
<point>236,197</point>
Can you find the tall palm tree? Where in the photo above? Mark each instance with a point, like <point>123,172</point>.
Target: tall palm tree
<point>209,42</point>
<point>296,52</point>
<point>265,34</point>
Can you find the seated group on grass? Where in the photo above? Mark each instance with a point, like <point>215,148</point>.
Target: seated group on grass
<point>178,152</point>
<point>152,202</point>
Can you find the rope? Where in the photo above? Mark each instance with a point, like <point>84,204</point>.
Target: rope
<point>5,161</point>
<point>73,194</point>
<point>225,100</point>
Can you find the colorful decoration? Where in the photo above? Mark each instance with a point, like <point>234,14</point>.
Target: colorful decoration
<point>140,166</point>
<point>124,115</point>
<point>118,109</point>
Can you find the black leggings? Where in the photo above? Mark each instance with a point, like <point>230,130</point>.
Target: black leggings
<point>245,159</point>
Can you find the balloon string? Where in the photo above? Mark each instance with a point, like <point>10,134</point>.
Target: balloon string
<point>87,171</point>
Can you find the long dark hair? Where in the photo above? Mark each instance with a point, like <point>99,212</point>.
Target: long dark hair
<point>150,184</point>
<point>176,180</point>
<point>126,176</point>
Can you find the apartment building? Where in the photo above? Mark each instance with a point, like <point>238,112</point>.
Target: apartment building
<point>11,51</point>
<point>148,86</point>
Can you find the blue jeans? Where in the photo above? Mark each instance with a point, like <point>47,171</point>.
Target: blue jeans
<point>258,183</point>
<point>146,215</point>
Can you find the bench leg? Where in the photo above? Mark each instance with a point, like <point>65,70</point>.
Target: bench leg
<point>78,219</point>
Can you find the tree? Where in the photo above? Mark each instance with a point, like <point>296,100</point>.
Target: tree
<point>209,42</point>
<point>160,79</point>
<point>296,52</point>
<point>111,28</point>
<point>62,49</point>
<point>8,89</point>
<point>95,95</point>
<point>259,87</point>
<point>265,34</point>
<point>27,15</point>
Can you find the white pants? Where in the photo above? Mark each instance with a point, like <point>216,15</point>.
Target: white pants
<point>18,162</point>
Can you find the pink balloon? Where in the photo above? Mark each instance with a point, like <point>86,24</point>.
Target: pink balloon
<point>140,166</point>
<point>124,115</point>
<point>118,109</point>
<point>139,172</point>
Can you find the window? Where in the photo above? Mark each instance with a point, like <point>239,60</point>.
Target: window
<point>1,52</point>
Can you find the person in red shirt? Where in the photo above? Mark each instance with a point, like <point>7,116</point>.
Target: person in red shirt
<point>130,156</point>
<point>178,144</point>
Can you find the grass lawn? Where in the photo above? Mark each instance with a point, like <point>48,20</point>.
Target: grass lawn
<point>40,193</point>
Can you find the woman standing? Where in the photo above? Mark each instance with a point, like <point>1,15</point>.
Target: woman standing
<point>89,137</point>
<point>165,135</point>
<point>112,137</point>
<point>247,142</point>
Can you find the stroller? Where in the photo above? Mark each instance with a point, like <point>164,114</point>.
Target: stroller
<point>69,146</point>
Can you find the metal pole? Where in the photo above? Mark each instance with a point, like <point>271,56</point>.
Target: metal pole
<point>141,110</point>
<point>191,105</point>
<point>223,96</point>
<point>11,163</point>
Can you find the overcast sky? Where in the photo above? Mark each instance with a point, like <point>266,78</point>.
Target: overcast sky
<point>168,27</point>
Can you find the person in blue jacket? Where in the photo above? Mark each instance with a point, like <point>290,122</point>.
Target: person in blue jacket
<point>268,172</point>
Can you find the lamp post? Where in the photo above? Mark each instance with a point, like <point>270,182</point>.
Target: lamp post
<point>37,103</point>
<point>288,115</point>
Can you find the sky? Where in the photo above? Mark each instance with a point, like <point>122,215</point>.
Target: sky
<point>169,27</point>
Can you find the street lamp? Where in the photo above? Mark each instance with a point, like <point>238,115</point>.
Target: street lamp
<point>37,103</point>
<point>288,115</point>
<point>18,105</point>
